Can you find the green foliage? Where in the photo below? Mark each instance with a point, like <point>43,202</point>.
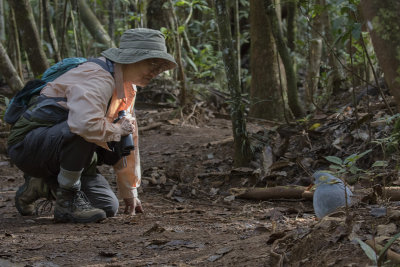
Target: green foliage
<point>347,165</point>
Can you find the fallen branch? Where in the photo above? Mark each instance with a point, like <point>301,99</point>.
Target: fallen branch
<point>220,142</point>
<point>277,192</point>
<point>300,192</point>
<point>150,127</point>
<point>391,255</point>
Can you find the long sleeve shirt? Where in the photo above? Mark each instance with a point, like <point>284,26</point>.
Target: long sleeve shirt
<point>88,89</point>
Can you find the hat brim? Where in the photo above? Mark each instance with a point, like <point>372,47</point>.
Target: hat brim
<point>130,56</point>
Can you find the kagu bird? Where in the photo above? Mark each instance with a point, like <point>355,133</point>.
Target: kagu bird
<point>329,193</point>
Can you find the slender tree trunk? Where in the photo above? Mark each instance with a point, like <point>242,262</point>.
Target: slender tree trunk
<point>264,91</point>
<point>181,72</point>
<point>93,25</point>
<point>2,27</point>
<point>16,46</point>
<point>40,20</point>
<point>50,31</point>
<point>335,82</point>
<point>314,61</point>
<point>111,15</point>
<point>284,52</point>
<point>64,50</point>
<point>291,24</point>
<point>9,72</point>
<point>382,21</point>
<point>30,36</point>
<point>241,143</point>
<point>237,35</point>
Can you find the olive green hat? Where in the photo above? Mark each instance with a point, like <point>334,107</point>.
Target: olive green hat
<point>140,44</point>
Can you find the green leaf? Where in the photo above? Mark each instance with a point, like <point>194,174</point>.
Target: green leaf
<point>181,29</point>
<point>356,31</point>
<point>192,64</point>
<point>181,3</point>
<point>353,169</point>
<point>335,167</point>
<point>368,250</point>
<point>386,247</point>
<point>380,163</point>
<point>334,159</point>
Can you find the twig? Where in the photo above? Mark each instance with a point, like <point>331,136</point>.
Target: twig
<point>191,114</point>
<point>171,192</point>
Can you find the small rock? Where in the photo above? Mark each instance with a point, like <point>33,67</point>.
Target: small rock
<point>229,198</point>
<point>386,229</point>
<point>394,214</point>
<point>378,212</point>
<point>30,221</point>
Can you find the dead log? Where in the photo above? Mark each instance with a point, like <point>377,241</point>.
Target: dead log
<point>277,192</point>
<point>392,193</point>
<point>219,143</point>
<point>300,192</point>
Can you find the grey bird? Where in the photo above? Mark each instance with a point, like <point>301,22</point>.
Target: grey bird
<point>329,193</point>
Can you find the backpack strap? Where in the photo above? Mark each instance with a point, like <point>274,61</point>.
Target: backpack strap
<point>107,66</point>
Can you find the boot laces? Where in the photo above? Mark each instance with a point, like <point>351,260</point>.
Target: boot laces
<point>81,201</point>
<point>44,207</point>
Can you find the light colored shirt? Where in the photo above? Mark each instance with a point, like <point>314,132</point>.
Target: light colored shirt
<point>88,89</point>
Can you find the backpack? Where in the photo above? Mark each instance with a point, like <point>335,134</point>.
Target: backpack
<point>20,102</point>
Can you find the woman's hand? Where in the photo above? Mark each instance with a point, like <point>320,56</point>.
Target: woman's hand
<point>133,205</point>
<point>127,125</point>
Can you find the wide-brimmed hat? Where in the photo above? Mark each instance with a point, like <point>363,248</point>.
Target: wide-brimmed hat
<point>140,44</point>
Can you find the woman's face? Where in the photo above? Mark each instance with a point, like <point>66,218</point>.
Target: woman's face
<point>141,73</point>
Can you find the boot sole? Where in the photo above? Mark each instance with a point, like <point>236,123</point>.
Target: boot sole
<point>65,218</point>
<point>19,192</point>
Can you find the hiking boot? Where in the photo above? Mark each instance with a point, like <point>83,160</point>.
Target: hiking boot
<point>29,192</point>
<point>73,206</point>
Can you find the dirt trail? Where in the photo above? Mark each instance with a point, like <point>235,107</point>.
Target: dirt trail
<point>195,227</point>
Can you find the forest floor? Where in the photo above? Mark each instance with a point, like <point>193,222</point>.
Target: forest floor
<point>191,218</point>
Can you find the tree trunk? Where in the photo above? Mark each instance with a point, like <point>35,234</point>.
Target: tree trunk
<point>382,21</point>
<point>93,25</point>
<point>242,152</point>
<point>111,15</point>
<point>50,31</point>
<point>181,71</point>
<point>8,71</point>
<point>30,36</point>
<point>284,52</point>
<point>314,61</point>
<point>291,6</point>
<point>237,34</point>
<point>2,27</point>
<point>156,15</point>
<point>335,82</point>
<point>264,91</point>
<point>16,48</point>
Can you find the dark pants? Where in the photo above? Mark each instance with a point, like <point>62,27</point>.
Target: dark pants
<point>45,149</point>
